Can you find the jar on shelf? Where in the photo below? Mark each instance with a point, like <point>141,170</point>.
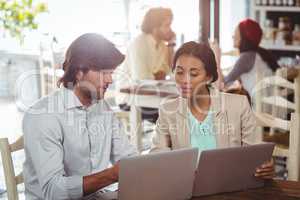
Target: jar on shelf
<point>296,35</point>
<point>298,3</point>
<point>264,2</point>
<point>284,33</point>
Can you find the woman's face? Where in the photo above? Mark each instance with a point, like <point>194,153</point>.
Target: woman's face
<point>190,76</point>
<point>236,38</point>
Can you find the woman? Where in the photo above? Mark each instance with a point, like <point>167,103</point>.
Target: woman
<point>202,117</point>
<point>254,62</point>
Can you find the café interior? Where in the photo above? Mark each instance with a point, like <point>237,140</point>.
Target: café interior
<point>235,65</point>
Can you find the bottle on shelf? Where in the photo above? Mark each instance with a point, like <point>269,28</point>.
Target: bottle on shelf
<point>284,33</point>
<point>269,32</point>
<point>296,35</point>
<point>258,2</point>
<point>278,2</point>
<point>291,2</point>
<point>298,3</point>
<point>271,2</point>
<point>264,2</point>
<point>284,2</point>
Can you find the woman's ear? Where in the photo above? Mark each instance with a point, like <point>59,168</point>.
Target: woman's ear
<point>209,79</point>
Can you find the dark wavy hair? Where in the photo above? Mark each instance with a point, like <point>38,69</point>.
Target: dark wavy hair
<point>90,51</point>
<point>201,51</point>
<point>154,18</point>
<point>266,55</point>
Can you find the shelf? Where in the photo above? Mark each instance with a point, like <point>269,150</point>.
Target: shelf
<point>282,48</point>
<point>278,8</point>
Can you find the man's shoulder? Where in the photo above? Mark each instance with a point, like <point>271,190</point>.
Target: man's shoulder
<point>142,39</point>
<point>48,104</point>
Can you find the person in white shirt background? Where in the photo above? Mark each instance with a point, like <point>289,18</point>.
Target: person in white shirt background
<point>148,56</point>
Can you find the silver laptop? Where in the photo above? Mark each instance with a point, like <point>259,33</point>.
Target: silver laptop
<point>230,169</point>
<point>158,176</point>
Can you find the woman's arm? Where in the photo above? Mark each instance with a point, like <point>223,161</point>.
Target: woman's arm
<point>161,140</point>
<point>249,137</point>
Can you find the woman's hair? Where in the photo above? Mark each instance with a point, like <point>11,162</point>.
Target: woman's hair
<point>90,51</point>
<point>201,51</point>
<point>251,35</point>
<point>154,18</point>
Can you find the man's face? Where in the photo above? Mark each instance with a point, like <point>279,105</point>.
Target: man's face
<point>165,32</point>
<point>93,84</point>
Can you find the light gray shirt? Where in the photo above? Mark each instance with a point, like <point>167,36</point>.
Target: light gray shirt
<point>65,141</point>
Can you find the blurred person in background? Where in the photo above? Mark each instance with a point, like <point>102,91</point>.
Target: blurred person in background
<point>148,56</point>
<point>254,62</point>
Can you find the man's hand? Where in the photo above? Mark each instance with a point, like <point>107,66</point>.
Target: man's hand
<point>94,182</point>
<point>160,75</point>
<point>115,171</point>
<point>171,37</point>
<point>266,170</point>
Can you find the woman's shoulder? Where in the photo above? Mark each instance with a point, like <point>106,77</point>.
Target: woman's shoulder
<point>173,105</point>
<point>236,102</point>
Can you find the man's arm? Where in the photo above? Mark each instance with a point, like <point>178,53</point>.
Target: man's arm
<point>121,147</point>
<point>94,182</point>
<point>43,142</point>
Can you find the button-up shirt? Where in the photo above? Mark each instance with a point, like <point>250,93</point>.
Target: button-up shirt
<point>65,141</point>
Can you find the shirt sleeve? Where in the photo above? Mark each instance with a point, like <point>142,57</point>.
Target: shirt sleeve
<point>243,65</point>
<point>139,60</point>
<point>162,61</point>
<point>162,139</point>
<point>248,124</point>
<point>121,147</point>
<point>43,141</point>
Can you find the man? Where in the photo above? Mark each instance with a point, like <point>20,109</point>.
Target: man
<point>148,56</point>
<point>71,136</point>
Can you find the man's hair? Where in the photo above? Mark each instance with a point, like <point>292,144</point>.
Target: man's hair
<point>154,18</point>
<point>90,51</point>
<point>202,52</point>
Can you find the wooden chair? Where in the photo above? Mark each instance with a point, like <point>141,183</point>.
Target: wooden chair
<point>293,151</point>
<point>272,91</point>
<point>11,180</point>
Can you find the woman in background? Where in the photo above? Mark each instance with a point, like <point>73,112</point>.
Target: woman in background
<point>254,62</point>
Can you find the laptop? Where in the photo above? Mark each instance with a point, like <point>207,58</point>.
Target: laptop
<point>230,169</point>
<point>157,176</point>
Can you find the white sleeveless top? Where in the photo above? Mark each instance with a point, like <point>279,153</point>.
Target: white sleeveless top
<point>250,79</point>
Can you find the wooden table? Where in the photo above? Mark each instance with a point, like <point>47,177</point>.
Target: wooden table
<point>151,97</point>
<point>274,190</point>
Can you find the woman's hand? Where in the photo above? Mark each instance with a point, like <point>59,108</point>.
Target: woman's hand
<point>266,170</point>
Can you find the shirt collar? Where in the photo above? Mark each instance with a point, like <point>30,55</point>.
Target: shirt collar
<point>70,99</point>
<point>153,41</point>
